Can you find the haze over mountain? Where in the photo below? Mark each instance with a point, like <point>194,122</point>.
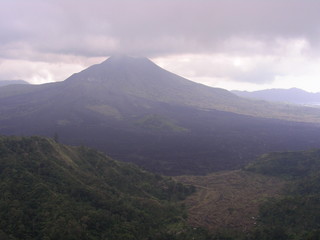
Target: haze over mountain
<point>136,111</point>
<point>293,95</point>
<point>11,82</point>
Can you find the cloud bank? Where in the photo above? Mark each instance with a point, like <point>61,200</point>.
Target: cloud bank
<point>248,42</point>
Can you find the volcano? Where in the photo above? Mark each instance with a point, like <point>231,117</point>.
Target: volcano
<point>135,111</point>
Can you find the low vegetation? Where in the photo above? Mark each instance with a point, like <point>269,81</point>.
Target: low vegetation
<point>229,200</point>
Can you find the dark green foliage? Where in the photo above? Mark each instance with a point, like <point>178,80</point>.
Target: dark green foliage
<point>51,191</point>
<point>296,215</point>
<point>287,164</point>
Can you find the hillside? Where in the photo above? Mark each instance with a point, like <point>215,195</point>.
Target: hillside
<point>275,197</point>
<point>229,200</point>
<point>53,191</point>
<point>138,112</point>
<point>296,214</point>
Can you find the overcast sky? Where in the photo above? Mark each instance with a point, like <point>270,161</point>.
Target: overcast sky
<point>233,44</point>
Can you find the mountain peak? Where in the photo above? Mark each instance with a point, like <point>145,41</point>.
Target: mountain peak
<point>126,59</point>
<point>141,78</point>
<point>123,69</point>
<point>123,57</point>
<point>120,64</point>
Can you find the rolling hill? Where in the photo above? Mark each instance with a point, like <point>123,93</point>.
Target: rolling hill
<point>135,111</point>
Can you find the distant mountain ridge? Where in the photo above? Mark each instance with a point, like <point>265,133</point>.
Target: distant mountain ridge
<point>11,82</point>
<point>293,95</point>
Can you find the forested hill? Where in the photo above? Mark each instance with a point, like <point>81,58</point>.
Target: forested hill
<point>52,191</point>
<point>276,197</point>
<point>296,214</point>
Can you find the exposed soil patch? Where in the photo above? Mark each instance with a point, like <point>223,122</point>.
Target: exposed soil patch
<point>229,199</point>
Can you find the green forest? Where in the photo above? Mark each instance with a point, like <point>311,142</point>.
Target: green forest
<point>295,215</point>
<point>53,191</point>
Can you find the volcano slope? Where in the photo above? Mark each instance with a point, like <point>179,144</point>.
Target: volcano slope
<point>136,111</point>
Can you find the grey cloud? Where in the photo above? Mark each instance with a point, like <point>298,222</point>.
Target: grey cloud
<point>51,32</point>
<point>97,28</point>
<point>258,69</point>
